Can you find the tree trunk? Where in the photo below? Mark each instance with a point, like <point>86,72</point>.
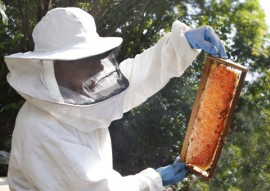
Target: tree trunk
<point>24,12</point>
<point>43,7</point>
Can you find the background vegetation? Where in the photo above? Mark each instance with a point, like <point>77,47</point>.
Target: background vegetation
<point>152,134</point>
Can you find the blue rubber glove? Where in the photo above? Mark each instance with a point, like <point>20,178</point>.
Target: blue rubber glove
<point>174,173</point>
<point>205,38</point>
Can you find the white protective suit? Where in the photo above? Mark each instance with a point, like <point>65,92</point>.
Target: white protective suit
<point>62,147</point>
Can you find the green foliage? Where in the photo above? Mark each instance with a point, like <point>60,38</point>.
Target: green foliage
<point>153,133</point>
<point>242,27</point>
<point>2,12</point>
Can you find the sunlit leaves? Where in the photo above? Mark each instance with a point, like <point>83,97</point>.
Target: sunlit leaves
<point>2,12</point>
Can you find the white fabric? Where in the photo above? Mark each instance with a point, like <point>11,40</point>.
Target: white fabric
<point>49,79</point>
<point>169,58</point>
<point>64,147</point>
<point>68,34</point>
<point>28,77</point>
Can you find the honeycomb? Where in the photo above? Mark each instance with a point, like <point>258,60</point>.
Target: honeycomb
<point>211,116</point>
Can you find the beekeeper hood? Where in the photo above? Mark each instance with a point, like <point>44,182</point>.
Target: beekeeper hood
<point>63,36</point>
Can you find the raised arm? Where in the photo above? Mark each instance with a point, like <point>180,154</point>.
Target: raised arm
<point>151,70</point>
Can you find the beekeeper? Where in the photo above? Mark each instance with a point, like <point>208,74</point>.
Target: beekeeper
<point>74,89</point>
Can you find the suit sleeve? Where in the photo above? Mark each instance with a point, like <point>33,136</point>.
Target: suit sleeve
<point>151,70</point>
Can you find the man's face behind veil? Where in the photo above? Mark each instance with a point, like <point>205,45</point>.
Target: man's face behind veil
<point>90,79</point>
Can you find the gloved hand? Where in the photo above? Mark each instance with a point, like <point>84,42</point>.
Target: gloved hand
<point>205,38</point>
<point>174,173</point>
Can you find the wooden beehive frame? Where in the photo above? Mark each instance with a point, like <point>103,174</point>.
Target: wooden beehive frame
<point>241,70</point>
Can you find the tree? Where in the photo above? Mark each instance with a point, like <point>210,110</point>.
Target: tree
<point>233,22</point>
<point>2,12</point>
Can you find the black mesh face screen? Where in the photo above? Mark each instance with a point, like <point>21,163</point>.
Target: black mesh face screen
<point>106,82</point>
